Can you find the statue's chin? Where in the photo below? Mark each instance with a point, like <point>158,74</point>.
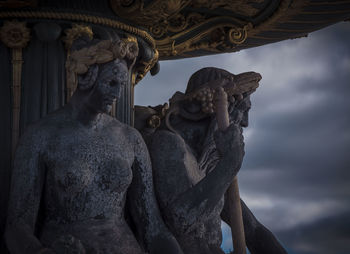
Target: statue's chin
<point>108,109</point>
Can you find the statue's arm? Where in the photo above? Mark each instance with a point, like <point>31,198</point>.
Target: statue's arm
<point>259,239</point>
<point>143,205</point>
<point>197,202</point>
<point>26,190</point>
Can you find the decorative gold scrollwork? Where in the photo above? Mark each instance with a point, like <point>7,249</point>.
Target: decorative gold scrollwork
<point>155,120</point>
<point>155,16</point>
<point>159,30</point>
<point>216,39</point>
<point>239,35</point>
<point>185,28</point>
<point>145,67</point>
<point>77,17</point>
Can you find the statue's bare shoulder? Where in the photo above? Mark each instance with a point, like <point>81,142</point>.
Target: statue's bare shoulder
<point>174,167</point>
<point>37,134</point>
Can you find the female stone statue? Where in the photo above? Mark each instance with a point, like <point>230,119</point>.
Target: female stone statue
<point>194,163</point>
<point>75,168</point>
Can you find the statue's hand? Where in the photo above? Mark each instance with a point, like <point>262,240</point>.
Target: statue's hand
<point>229,144</point>
<point>68,244</point>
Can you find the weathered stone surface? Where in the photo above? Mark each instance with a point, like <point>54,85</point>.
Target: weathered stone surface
<point>194,163</point>
<point>74,172</point>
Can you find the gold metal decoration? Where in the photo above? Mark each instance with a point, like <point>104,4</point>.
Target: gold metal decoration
<point>132,48</point>
<point>80,18</point>
<point>16,36</point>
<point>164,17</point>
<point>217,39</point>
<point>71,35</point>
<point>145,67</point>
<point>75,32</point>
<point>142,70</point>
<point>182,27</point>
<point>155,120</point>
<point>155,15</point>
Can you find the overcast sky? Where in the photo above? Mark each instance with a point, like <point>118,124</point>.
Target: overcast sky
<point>296,175</point>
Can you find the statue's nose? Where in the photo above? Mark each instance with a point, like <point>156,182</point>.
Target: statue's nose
<point>245,120</point>
<point>117,91</point>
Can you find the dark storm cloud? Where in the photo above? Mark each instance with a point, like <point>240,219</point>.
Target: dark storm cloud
<point>296,169</point>
<point>326,235</point>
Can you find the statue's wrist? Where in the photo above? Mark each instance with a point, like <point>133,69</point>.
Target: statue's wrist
<point>230,164</point>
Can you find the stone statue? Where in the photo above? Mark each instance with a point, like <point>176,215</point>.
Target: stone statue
<point>76,169</point>
<point>194,162</point>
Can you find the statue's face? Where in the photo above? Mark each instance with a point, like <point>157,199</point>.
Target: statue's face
<point>112,78</point>
<point>239,113</point>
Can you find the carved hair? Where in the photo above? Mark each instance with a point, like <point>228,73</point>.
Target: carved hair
<point>88,80</point>
<point>86,59</point>
<point>205,75</point>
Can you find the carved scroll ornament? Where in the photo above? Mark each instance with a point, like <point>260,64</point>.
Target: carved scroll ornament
<point>181,27</point>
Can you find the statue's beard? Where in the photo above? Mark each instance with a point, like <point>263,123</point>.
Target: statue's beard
<point>209,155</point>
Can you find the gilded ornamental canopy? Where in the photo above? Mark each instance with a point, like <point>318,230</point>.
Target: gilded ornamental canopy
<point>189,28</point>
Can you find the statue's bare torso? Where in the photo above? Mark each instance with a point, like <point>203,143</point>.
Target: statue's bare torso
<point>89,170</point>
<point>87,174</point>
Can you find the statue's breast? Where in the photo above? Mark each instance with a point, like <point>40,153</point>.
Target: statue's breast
<point>88,173</point>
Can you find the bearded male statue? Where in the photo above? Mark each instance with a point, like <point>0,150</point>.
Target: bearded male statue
<point>194,163</point>
<point>75,169</point>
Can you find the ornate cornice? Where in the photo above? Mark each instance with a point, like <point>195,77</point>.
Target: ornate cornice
<point>188,28</point>
<point>181,27</point>
<point>80,17</point>
<point>142,67</point>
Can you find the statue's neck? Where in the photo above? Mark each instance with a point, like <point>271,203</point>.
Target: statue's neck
<point>81,111</point>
